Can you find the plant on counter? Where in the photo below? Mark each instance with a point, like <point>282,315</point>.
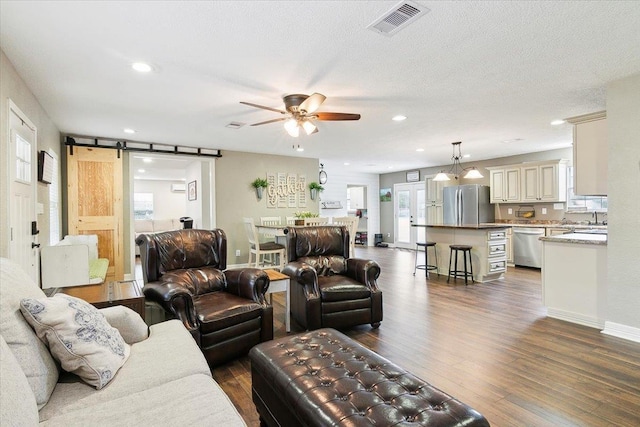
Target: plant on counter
<point>259,184</point>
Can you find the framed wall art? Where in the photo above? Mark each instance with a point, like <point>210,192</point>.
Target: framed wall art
<point>192,191</point>
<point>413,176</point>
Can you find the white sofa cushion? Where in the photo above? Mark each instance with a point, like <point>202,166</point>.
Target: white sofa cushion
<point>196,400</point>
<point>168,354</point>
<point>160,225</point>
<point>17,402</point>
<point>129,323</point>
<point>79,337</point>
<point>143,226</point>
<point>31,353</point>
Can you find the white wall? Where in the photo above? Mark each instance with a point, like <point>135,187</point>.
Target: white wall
<point>623,255</point>
<point>335,189</point>
<point>166,203</point>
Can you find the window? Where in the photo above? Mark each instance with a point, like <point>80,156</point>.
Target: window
<point>583,203</point>
<point>142,205</point>
<point>54,202</point>
<point>23,160</point>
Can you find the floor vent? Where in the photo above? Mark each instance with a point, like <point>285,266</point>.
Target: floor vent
<point>401,15</point>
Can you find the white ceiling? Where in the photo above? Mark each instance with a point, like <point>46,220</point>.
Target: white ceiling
<point>477,72</point>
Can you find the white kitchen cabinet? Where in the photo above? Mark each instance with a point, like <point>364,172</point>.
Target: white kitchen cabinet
<point>434,200</point>
<point>356,198</point>
<point>510,260</point>
<point>434,214</point>
<point>505,185</point>
<point>590,154</point>
<point>529,182</point>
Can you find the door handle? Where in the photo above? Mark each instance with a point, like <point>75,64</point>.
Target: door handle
<point>35,245</point>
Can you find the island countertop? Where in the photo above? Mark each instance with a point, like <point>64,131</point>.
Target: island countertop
<point>467,226</point>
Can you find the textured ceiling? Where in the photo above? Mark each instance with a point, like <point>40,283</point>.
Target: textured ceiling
<point>477,72</point>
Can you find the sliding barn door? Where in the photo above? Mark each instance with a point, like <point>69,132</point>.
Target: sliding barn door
<point>94,183</point>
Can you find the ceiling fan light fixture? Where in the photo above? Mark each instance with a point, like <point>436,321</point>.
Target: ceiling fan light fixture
<point>308,127</point>
<point>441,176</point>
<point>291,126</point>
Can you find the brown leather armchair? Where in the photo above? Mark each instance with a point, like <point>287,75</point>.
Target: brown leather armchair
<point>225,311</point>
<point>329,289</point>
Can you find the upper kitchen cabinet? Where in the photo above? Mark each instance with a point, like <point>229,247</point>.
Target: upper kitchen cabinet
<point>434,190</point>
<point>590,154</point>
<point>505,184</point>
<point>529,182</point>
<point>544,182</point>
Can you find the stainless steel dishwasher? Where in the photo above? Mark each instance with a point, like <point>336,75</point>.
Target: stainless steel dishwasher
<point>527,247</point>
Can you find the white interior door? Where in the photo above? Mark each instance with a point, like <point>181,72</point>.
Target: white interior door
<point>22,192</point>
<point>409,208</point>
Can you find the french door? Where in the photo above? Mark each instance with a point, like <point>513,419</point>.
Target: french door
<point>409,208</point>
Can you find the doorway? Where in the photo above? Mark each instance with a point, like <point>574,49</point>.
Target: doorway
<point>409,208</point>
<point>22,191</point>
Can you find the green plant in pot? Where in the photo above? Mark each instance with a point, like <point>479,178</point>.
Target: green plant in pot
<point>314,187</point>
<point>259,184</point>
<point>302,215</point>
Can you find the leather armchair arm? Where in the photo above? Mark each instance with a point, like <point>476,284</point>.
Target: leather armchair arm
<point>364,271</point>
<point>305,275</point>
<point>250,283</point>
<point>175,299</point>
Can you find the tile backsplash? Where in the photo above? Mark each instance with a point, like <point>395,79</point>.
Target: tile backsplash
<point>546,212</point>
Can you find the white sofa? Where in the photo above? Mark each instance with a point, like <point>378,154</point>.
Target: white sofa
<point>165,380</point>
<point>147,226</point>
<point>73,261</point>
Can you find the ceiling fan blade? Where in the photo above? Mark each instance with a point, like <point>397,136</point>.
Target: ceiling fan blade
<point>337,116</point>
<point>263,107</point>
<point>281,119</point>
<point>312,103</point>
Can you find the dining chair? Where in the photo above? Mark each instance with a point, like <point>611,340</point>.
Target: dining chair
<point>291,220</point>
<point>351,222</point>
<point>269,236</point>
<point>316,221</point>
<point>259,250</point>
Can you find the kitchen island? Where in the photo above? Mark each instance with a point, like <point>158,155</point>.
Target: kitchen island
<point>488,253</point>
<point>574,277</point>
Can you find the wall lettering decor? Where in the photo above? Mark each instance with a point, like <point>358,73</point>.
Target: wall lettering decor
<point>286,190</point>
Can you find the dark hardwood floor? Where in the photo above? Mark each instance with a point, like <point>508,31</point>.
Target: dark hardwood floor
<point>489,345</point>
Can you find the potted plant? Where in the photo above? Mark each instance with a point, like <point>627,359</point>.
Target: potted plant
<point>314,187</point>
<point>302,215</point>
<point>259,184</point>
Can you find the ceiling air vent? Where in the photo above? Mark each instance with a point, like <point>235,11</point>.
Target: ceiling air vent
<point>401,15</point>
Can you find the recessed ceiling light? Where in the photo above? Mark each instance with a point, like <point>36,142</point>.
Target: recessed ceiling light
<point>419,149</point>
<point>128,130</point>
<point>557,122</point>
<point>141,67</point>
<point>147,160</point>
<point>299,148</point>
<point>399,118</point>
<point>509,141</point>
<point>389,167</point>
<point>141,170</point>
<point>466,156</point>
<point>347,163</point>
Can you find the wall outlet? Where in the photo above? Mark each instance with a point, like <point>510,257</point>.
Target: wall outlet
<point>544,211</point>
<point>388,234</point>
<point>510,211</point>
<point>237,252</point>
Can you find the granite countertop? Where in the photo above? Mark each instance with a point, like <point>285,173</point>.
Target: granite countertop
<point>472,226</point>
<point>553,225</point>
<point>579,238</point>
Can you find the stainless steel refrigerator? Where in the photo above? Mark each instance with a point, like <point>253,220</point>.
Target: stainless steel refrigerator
<point>467,205</point>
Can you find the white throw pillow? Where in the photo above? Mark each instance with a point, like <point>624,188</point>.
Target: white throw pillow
<point>78,336</point>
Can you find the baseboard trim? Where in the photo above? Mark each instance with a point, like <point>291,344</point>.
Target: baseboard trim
<point>580,319</point>
<point>622,331</point>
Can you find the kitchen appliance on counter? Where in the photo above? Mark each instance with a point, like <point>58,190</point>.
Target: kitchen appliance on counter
<point>467,205</point>
<point>527,247</point>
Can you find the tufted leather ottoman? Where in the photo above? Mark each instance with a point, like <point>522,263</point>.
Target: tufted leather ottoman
<point>324,378</point>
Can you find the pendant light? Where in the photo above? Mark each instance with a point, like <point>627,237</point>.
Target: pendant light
<point>456,168</point>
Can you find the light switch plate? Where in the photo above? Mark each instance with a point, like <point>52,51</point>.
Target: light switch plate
<point>510,211</point>
<point>544,211</point>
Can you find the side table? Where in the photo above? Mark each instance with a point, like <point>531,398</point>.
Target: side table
<point>280,283</point>
<point>126,292</point>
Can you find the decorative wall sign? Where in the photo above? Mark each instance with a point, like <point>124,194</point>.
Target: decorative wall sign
<point>286,190</point>
<point>413,176</point>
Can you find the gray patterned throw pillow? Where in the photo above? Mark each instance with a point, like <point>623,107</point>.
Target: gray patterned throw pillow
<point>78,336</point>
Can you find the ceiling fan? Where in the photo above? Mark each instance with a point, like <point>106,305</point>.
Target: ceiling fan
<point>300,112</point>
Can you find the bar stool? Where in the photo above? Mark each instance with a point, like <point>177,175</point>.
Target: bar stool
<point>427,267</point>
<point>460,273</point>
